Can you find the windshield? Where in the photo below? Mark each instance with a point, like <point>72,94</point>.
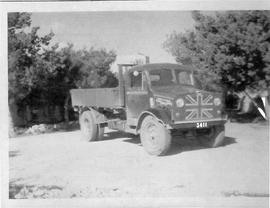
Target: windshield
<point>170,77</point>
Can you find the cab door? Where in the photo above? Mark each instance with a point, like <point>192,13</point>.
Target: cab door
<point>137,96</point>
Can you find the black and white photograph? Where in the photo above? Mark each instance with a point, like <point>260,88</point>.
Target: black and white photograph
<point>137,104</point>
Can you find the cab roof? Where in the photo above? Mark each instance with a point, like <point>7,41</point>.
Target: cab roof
<point>148,67</point>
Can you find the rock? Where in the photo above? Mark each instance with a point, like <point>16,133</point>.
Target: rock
<point>38,129</point>
<point>23,193</point>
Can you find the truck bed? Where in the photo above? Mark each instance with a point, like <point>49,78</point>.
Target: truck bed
<point>99,97</point>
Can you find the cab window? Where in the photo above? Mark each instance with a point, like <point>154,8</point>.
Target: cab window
<point>185,78</point>
<point>136,80</point>
<point>162,77</point>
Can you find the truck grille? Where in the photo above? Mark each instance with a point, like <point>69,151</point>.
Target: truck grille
<point>199,106</point>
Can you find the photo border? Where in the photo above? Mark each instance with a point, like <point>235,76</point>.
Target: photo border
<point>206,5</point>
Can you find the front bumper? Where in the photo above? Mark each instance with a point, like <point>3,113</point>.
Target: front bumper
<point>193,124</point>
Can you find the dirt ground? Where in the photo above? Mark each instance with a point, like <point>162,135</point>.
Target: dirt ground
<point>60,165</point>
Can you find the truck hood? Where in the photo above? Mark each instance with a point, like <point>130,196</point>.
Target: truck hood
<point>174,92</point>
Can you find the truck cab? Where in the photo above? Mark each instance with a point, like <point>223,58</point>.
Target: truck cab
<point>155,101</point>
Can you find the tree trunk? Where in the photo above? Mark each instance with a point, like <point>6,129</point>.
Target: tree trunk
<point>66,107</point>
<point>11,131</point>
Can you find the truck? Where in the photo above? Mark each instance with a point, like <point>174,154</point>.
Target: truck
<point>156,102</point>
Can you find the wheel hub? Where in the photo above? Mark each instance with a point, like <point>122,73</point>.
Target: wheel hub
<point>152,132</point>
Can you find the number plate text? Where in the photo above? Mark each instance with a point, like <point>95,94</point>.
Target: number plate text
<point>201,125</point>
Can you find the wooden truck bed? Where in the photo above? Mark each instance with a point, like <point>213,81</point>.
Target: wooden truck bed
<point>99,97</point>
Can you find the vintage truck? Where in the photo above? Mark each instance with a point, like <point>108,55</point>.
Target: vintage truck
<point>155,101</point>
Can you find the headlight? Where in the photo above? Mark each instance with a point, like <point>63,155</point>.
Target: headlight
<point>217,101</point>
<point>180,103</point>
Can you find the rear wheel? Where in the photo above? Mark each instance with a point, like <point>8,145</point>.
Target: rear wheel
<point>214,138</point>
<point>155,138</point>
<point>89,129</point>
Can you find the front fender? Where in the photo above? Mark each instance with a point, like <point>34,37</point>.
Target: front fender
<point>162,115</point>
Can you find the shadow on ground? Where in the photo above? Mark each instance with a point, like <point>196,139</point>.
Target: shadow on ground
<point>254,117</point>
<point>117,135</point>
<point>178,144</point>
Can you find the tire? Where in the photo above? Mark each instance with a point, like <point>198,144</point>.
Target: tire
<point>155,138</point>
<point>215,138</point>
<point>88,128</point>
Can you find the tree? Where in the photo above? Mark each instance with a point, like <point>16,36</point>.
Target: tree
<point>23,54</point>
<point>41,74</point>
<point>68,69</point>
<point>95,71</point>
<point>233,47</point>
<point>64,71</point>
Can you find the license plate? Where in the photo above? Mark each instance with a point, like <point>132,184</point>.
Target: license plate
<point>201,125</point>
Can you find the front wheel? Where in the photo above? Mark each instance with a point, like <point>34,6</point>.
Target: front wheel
<point>215,137</point>
<point>155,138</point>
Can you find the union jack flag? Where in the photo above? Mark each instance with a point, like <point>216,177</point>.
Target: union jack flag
<point>197,103</point>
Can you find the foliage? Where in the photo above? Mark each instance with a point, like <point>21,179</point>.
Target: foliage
<point>41,74</point>
<point>233,47</point>
<point>96,68</point>
<point>25,66</point>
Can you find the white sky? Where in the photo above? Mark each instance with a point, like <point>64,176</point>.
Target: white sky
<point>125,32</point>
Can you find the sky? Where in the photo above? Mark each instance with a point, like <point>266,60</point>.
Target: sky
<point>127,33</point>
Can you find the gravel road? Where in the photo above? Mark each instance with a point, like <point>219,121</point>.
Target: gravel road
<point>60,165</point>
